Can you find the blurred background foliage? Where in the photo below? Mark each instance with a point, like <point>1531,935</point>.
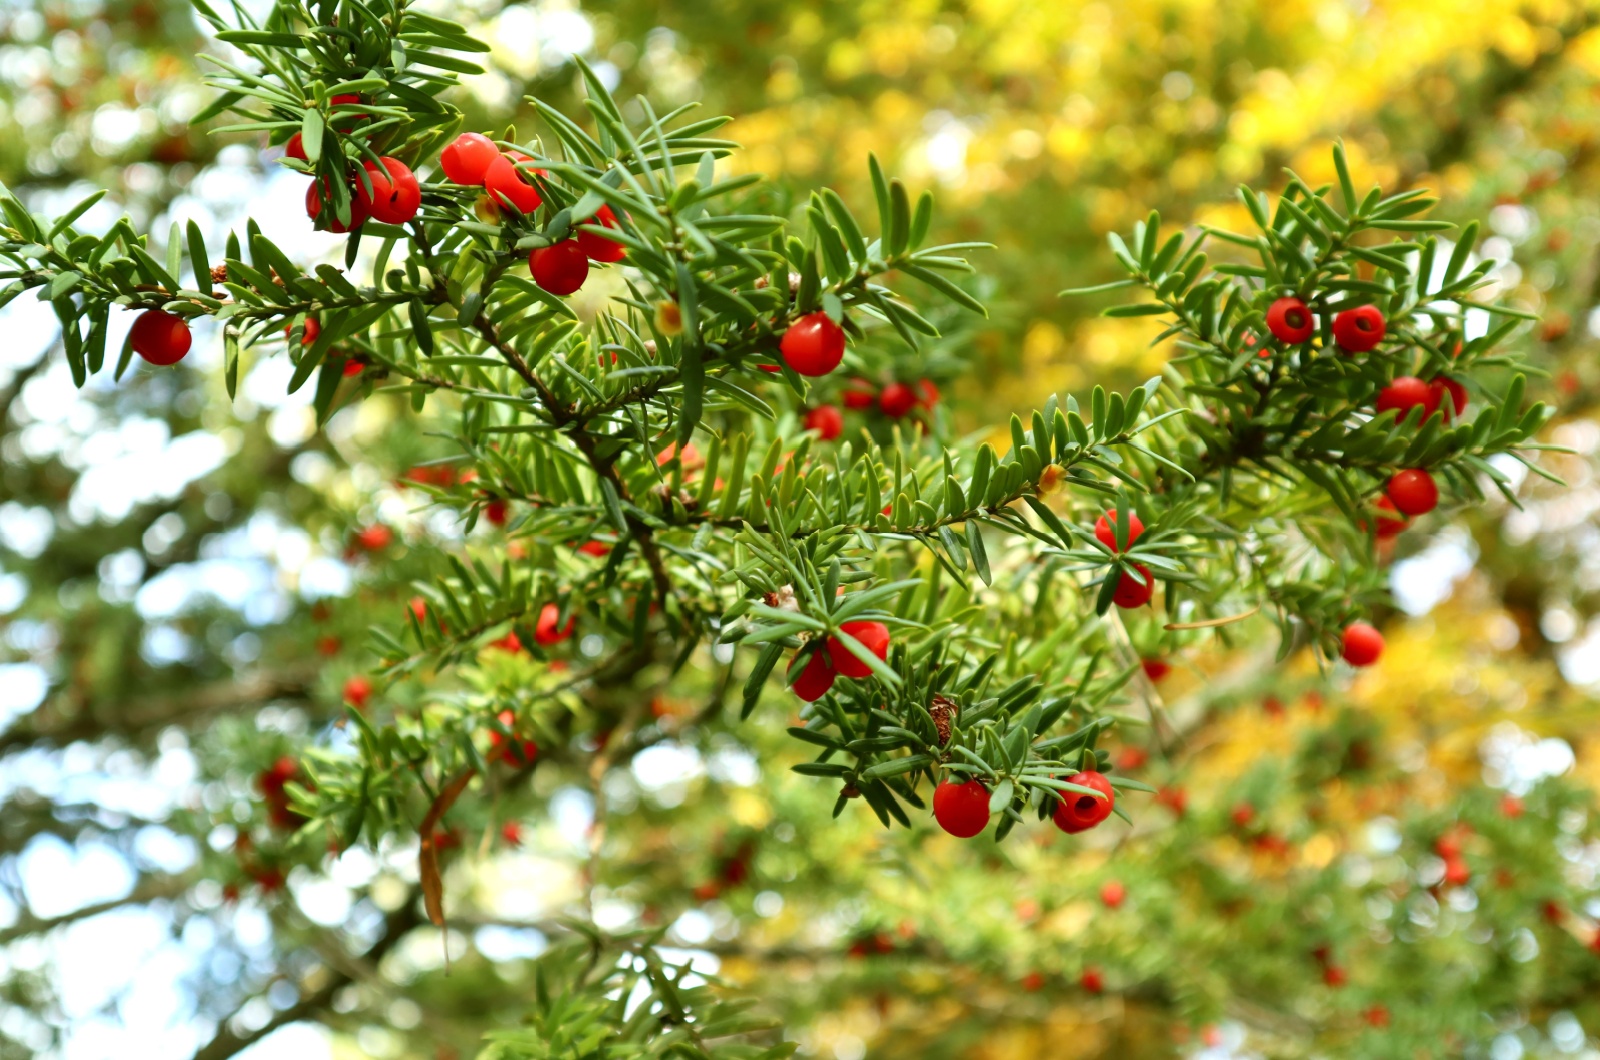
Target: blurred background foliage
<point>178,607</point>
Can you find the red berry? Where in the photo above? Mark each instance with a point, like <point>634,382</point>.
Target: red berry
<point>598,247</point>
<point>597,549</point>
<point>1112,893</point>
<point>348,120</point>
<point>1405,393</point>
<point>396,195</point>
<point>1174,799</point>
<point>1458,396</point>
<point>1242,815</point>
<point>817,677</point>
<point>1376,1016</point>
<point>813,345</point>
<point>927,393</point>
<point>1290,321</point>
<point>160,337</point>
<point>897,399</point>
<point>1135,590</point>
<point>328,645</point>
<point>1447,846</point>
<point>468,158</point>
<point>354,366</point>
<point>1362,644</point>
<point>507,186</point>
<point>1511,807</point>
<point>511,832</point>
<point>511,751</point>
<point>1092,980</point>
<point>374,538</point>
<point>874,636</point>
<point>357,690</point>
<point>1077,812</point>
<point>1033,981</point>
<point>1105,530</point>
<point>1389,526</point>
<point>1456,873</point>
<point>1156,669</point>
<point>496,511</point>
<point>826,420</point>
<point>272,779</point>
<point>308,331</point>
<point>419,608</point>
<point>510,642</point>
<point>546,630</point>
<point>859,394</point>
<point>295,148</point>
<point>1360,329</point>
<point>1413,491</point>
<point>961,809</point>
<point>358,209</point>
<point>1334,976</point>
<point>560,269</point>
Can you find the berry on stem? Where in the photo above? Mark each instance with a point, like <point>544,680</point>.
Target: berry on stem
<point>308,331</point>
<point>1360,329</point>
<point>507,186</point>
<point>512,751</point>
<point>357,690</point>
<point>1361,644</point>
<point>374,538</point>
<point>962,809</point>
<point>1290,321</point>
<point>874,636</point>
<point>359,209</point>
<point>1113,893</point>
<point>1079,812</point>
<point>1105,530</point>
<point>813,345</point>
<point>897,400</point>
<point>560,269</point>
<point>598,247</point>
<point>1406,393</point>
<point>859,394</point>
<point>826,420</point>
<point>1413,491</point>
<point>1444,385</point>
<point>927,393</point>
<point>547,630</point>
<point>1135,589</point>
<point>396,195</point>
<point>1156,669</point>
<point>817,677</point>
<point>160,337</point>
<point>1389,526</point>
<point>1092,980</point>
<point>467,158</point>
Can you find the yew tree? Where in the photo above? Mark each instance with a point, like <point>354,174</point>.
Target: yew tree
<point>732,478</point>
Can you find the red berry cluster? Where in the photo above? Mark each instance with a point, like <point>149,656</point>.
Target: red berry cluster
<point>272,782</point>
<point>1355,330</point>
<point>472,159</point>
<point>961,808</point>
<point>513,751</point>
<point>831,659</point>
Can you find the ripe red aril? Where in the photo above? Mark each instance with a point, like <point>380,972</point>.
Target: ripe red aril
<point>496,511</point>
<point>357,690</point>
<point>1334,976</point>
<point>859,394</point>
<point>396,195</point>
<point>1389,526</point>
<point>308,331</point>
<point>817,677</point>
<point>1456,873</point>
<point>1290,321</point>
<point>813,345</point>
<point>897,400</point>
<point>1361,644</point>
<point>597,549</point>
<point>1078,812</point>
<point>826,420</point>
<point>1444,385</point>
<point>874,636</point>
<point>1413,491</point>
<point>507,186</point>
<point>1105,530</point>
<point>1511,807</point>
<point>1112,893</point>
<point>547,630</point>
<point>1156,669</point>
<point>295,148</point>
<point>373,538</point>
<point>560,269</point>
<point>962,809</point>
<point>1092,980</point>
<point>359,209</point>
<point>598,247</point>
<point>512,751</point>
<point>1242,815</point>
<point>160,337</point>
<point>1360,329</point>
<point>467,158</point>
<point>927,393</point>
<point>1135,589</point>
<point>1406,393</point>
